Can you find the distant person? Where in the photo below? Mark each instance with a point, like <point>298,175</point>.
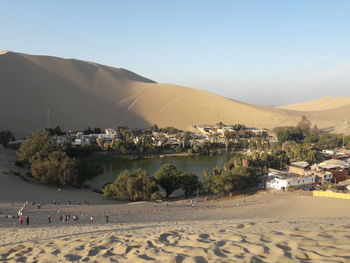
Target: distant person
<point>61,218</point>
<point>20,220</point>
<point>91,219</point>
<point>107,218</point>
<point>192,202</point>
<point>48,219</point>
<point>27,220</point>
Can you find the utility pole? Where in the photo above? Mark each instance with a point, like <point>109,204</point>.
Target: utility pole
<point>48,118</point>
<point>344,128</point>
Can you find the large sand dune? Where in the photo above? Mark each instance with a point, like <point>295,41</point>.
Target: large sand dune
<point>321,104</point>
<point>79,94</point>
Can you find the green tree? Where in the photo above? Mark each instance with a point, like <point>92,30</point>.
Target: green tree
<point>6,137</point>
<point>168,178</point>
<point>154,128</point>
<point>189,183</point>
<point>36,147</point>
<point>238,127</point>
<point>134,186</point>
<point>289,134</point>
<point>57,169</point>
<point>55,131</point>
<point>304,124</point>
<point>238,178</point>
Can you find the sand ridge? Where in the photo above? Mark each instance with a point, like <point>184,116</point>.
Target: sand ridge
<point>95,95</point>
<point>321,104</point>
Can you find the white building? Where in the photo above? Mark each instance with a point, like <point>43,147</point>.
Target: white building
<point>282,180</point>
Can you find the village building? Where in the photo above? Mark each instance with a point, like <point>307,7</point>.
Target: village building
<point>300,168</point>
<point>331,171</point>
<point>281,180</point>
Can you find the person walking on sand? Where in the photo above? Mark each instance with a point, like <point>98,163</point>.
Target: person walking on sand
<point>20,220</point>
<point>92,219</point>
<point>27,220</point>
<point>48,219</point>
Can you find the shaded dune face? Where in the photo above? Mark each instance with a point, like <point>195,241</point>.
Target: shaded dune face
<point>81,94</point>
<point>78,94</point>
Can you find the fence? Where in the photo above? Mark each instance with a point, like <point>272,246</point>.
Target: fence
<point>330,194</point>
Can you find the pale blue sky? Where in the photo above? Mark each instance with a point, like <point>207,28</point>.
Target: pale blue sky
<point>266,52</point>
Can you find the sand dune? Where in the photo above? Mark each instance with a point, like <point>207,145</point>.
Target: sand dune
<point>265,240</point>
<point>79,94</point>
<point>321,104</point>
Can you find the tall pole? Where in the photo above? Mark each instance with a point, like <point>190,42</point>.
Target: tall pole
<point>48,118</point>
<point>344,127</point>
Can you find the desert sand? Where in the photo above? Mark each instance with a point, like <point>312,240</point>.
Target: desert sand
<point>79,94</point>
<point>264,227</point>
<point>321,104</point>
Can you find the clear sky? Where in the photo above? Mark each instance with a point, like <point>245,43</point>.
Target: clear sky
<point>266,52</point>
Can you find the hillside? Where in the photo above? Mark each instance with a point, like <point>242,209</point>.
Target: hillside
<point>81,94</point>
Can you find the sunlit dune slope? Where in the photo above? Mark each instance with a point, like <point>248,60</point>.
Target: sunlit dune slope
<point>321,104</point>
<point>79,94</point>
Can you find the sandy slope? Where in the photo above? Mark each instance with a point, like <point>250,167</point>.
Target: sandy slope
<point>325,112</point>
<point>81,94</point>
<point>289,228</point>
<point>321,104</point>
<point>307,240</point>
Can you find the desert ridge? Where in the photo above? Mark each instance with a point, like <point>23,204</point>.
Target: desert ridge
<point>321,104</point>
<point>82,94</point>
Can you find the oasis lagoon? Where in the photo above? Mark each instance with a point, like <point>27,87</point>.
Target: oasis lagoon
<point>189,164</point>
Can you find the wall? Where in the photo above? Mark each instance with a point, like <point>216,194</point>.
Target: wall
<point>330,194</point>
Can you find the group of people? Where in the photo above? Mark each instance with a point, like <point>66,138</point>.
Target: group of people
<point>58,202</point>
<point>64,218</point>
<point>21,220</point>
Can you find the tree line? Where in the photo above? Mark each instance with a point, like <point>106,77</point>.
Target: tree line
<point>139,185</point>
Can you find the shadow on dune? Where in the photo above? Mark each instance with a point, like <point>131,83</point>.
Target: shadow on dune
<point>75,102</point>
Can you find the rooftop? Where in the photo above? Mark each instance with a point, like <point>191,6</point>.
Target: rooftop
<point>301,164</point>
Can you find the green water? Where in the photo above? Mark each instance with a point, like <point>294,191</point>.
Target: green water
<point>190,164</point>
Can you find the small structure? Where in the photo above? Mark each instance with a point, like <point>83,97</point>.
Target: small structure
<point>300,168</point>
<point>280,180</point>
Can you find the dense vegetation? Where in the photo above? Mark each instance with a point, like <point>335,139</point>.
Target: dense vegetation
<point>47,162</point>
<point>138,185</point>
<point>133,186</point>
<point>222,182</point>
